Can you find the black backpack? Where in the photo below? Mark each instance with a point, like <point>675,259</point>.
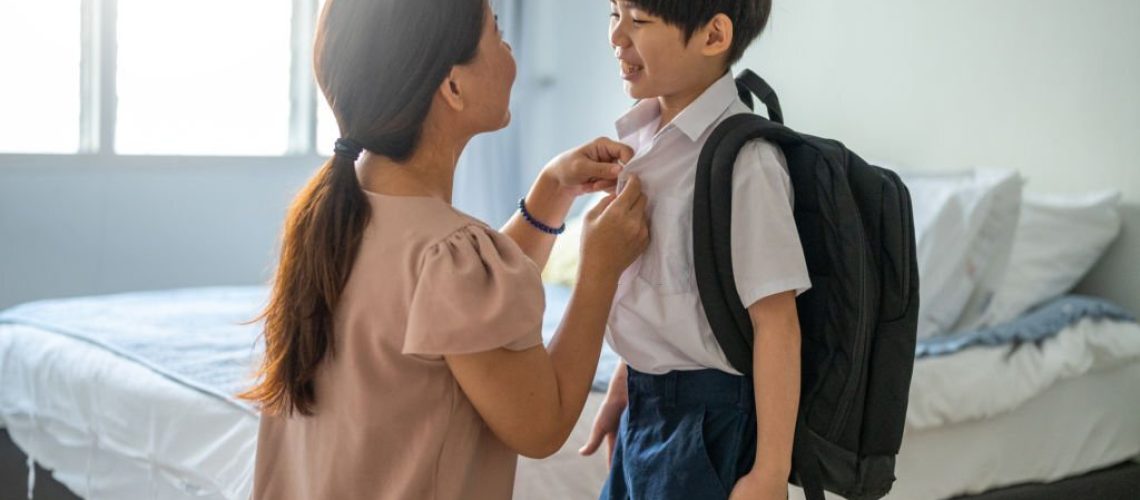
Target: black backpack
<point>858,321</point>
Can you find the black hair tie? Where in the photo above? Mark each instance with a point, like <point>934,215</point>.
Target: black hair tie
<point>348,149</point>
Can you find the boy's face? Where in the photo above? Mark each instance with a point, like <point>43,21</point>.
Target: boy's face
<point>653,56</point>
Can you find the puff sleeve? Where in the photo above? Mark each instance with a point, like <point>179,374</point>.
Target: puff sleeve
<point>476,292</point>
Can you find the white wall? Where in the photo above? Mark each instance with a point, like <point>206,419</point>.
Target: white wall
<point>1050,87</point>
<point>82,227</point>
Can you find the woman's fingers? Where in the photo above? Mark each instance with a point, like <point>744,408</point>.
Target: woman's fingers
<point>607,186</point>
<point>639,205</point>
<point>597,170</point>
<point>609,150</point>
<point>601,207</point>
<point>630,194</point>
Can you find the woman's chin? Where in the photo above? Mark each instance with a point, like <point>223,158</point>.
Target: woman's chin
<point>505,123</point>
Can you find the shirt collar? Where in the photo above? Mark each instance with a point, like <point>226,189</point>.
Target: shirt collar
<point>693,121</point>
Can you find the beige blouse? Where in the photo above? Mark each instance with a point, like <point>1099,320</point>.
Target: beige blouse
<point>391,422</point>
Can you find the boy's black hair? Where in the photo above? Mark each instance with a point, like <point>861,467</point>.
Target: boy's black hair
<point>749,17</point>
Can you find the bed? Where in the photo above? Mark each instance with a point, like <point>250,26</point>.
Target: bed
<point>113,420</point>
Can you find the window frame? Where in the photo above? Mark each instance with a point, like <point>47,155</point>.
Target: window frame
<point>98,98</point>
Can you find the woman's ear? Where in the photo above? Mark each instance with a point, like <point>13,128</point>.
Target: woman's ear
<point>717,36</point>
<point>451,91</point>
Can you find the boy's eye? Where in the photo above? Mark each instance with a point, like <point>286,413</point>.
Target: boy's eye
<point>616,16</point>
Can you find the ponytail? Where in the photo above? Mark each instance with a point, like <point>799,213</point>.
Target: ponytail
<point>322,235</point>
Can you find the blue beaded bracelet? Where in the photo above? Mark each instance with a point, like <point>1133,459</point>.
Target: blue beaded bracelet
<point>536,223</point>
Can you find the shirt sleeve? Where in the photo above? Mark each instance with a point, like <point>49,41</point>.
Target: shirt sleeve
<point>767,257</point>
<point>477,291</point>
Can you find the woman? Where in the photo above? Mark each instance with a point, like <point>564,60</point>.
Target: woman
<point>403,351</point>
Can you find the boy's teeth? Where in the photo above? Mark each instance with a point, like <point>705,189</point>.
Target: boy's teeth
<point>629,68</point>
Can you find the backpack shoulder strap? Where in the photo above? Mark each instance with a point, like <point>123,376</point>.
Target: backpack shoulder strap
<point>748,83</point>
<point>712,231</point>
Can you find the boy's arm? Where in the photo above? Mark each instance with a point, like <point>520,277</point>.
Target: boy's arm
<point>776,358</point>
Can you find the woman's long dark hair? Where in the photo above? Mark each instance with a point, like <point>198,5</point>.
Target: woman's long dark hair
<point>379,63</point>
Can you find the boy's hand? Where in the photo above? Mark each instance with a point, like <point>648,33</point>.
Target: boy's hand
<point>589,168</point>
<point>608,420</point>
<point>756,486</point>
<point>605,427</point>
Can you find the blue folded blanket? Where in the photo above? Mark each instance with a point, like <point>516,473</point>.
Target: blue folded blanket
<point>197,337</point>
<point>1035,326</point>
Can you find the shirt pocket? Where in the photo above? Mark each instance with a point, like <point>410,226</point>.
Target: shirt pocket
<point>667,264</point>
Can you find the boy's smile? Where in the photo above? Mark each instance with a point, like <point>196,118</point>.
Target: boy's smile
<point>629,70</point>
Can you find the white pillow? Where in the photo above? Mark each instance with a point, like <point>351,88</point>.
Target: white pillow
<point>964,225</point>
<point>1058,241</point>
<point>562,266</point>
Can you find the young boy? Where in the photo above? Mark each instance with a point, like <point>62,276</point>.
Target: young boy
<point>681,423</point>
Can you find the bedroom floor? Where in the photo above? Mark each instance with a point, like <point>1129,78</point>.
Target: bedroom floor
<point>14,471</point>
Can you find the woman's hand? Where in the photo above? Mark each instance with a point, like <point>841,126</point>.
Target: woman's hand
<point>589,168</point>
<point>616,232</point>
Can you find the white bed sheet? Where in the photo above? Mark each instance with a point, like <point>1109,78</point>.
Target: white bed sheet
<point>984,382</point>
<point>112,429</point>
<point>1077,426</point>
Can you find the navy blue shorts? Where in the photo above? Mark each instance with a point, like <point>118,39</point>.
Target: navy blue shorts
<point>685,435</point>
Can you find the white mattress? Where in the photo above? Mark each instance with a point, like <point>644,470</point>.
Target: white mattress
<point>112,429</point>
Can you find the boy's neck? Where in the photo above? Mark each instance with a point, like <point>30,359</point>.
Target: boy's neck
<point>673,104</point>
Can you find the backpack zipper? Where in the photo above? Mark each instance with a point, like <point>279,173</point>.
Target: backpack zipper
<point>860,346</point>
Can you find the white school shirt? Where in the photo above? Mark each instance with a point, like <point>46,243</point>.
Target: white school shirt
<point>657,323</point>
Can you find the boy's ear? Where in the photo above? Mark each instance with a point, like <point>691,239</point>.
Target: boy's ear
<point>716,37</point>
<point>451,90</point>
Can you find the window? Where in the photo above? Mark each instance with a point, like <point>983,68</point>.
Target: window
<point>40,47</point>
<point>327,130</point>
<point>208,77</point>
<point>158,77</point>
